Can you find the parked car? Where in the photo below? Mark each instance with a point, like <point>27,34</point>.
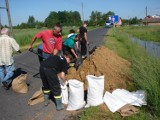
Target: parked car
<point>108,24</point>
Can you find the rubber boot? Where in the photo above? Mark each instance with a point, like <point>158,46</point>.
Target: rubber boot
<point>59,103</point>
<point>46,99</point>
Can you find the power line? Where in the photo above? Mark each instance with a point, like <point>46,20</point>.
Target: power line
<point>154,8</point>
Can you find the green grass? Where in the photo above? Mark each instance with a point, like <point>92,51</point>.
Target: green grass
<point>145,70</point>
<point>96,113</point>
<point>24,36</point>
<point>145,74</point>
<point>148,33</point>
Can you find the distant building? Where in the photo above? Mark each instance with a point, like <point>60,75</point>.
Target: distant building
<point>119,23</point>
<point>152,20</point>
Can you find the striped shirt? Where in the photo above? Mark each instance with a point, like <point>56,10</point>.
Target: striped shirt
<point>7,45</point>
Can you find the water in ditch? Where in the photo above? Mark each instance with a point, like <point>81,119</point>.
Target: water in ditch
<point>152,48</point>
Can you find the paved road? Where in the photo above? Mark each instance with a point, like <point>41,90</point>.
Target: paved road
<point>13,106</point>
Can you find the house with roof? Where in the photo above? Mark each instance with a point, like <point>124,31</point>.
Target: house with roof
<point>151,20</point>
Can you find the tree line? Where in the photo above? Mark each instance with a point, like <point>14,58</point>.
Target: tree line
<point>72,18</point>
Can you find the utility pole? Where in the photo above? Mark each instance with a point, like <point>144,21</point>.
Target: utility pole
<point>146,15</point>
<point>0,22</point>
<point>146,11</point>
<point>9,16</point>
<point>96,18</point>
<point>82,13</point>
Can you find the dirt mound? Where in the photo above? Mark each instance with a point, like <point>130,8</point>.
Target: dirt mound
<point>103,62</point>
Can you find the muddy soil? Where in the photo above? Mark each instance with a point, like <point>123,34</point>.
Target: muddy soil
<point>103,62</point>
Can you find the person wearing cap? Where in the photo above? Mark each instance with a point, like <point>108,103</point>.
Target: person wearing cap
<point>51,70</point>
<point>7,46</point>
<point>84,41</point>
<point>51,41</point>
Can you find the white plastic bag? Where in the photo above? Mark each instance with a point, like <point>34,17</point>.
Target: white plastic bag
<point>64,89</point>
<point>95,90</point>
<point>125,96</point>
<point>112,102</point>
<point>121,97</point>
<point>76,95</point>
<point>132,98</point>
<point>140,94</point>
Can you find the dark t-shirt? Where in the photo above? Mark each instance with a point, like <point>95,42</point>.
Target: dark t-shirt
<point>82,30</point>
<point>57,62</point>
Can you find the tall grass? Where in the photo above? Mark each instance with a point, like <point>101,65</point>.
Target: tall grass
<point>148,33</point>
<point>145,71</point>
<point>24,36</point>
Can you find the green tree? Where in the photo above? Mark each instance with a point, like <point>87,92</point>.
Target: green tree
<point>75,19</point>
<point>51,19</point>
<point>31,22</point>
<point>39,24</point>
<point>134,20</point>
<point>23,26</point>
<point>97,18</point>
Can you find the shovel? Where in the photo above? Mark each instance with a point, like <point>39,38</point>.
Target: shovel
<point>31,50</point>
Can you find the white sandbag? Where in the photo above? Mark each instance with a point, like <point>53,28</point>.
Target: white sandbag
<point>121,97</point>
<point>141,98</point>
<point>64,90</point>
<point>76,95</point>
<point>95,90</point>
<point>132,98</point>
<point>124,96</point>
<point>112,102</point>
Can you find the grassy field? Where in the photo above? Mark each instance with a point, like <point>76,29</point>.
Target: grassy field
<point>148,33</point>
<point>24,36</point>
<point>145,73</point>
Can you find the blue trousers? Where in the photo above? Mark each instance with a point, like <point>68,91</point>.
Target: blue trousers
<point>6,72</point>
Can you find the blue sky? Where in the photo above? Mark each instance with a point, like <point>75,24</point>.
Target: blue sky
<point>20,10</point>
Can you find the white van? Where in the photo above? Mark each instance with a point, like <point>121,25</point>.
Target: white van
<point>108,23</point>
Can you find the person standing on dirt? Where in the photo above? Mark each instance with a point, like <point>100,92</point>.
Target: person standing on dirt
<point>7,45</point>
<point>51,70</point>
<point>84,40</point>
<point>51,41</point>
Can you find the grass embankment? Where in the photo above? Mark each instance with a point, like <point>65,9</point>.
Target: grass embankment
<point>24,36</point>
<point>145,73</point>
<point>148,33</point>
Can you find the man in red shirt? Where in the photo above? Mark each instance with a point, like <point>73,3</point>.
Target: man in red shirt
<point>51,41</point>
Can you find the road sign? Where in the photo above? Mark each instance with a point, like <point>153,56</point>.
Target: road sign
<point>115,19</point>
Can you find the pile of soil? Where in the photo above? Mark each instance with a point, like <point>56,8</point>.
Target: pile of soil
<point>103,62</point>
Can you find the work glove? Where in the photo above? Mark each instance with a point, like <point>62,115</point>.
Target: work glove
<point>19,51</point>
<point>31,49</point>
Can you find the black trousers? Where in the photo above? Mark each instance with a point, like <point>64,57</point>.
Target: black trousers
<point>40,53</point>
<point>83,47</point>
<point>67,50</point>
<point>50,80</point>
